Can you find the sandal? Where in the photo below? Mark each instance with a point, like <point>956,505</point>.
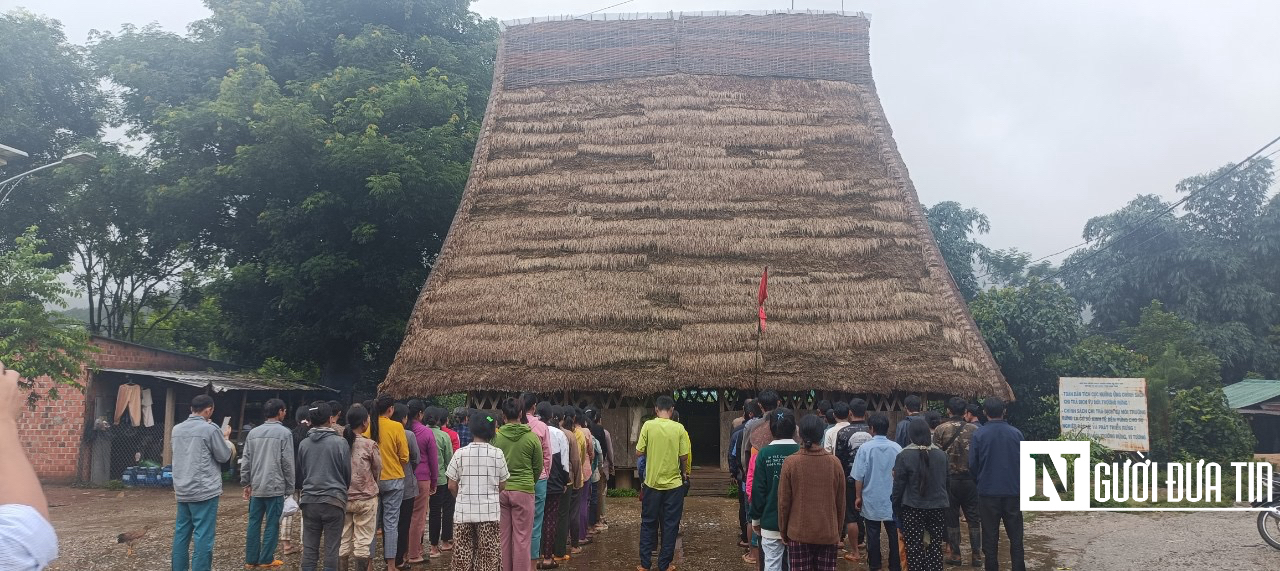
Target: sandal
<point>851,558</point>
<point>545,565</point>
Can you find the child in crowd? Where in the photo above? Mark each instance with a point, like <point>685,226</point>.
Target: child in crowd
<point>476,476</point>
<point>764,493</point>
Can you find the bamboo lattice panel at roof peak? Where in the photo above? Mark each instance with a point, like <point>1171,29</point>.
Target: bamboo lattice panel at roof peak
<point>613,231</point>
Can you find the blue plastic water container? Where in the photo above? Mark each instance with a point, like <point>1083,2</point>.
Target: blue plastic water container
<point>130,476</point>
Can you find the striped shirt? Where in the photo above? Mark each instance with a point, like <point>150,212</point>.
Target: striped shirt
<point>27,541</point>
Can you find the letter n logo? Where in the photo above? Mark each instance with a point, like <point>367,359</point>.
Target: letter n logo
<point>1053,476</point>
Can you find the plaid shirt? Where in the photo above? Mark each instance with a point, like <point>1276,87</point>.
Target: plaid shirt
<point>478,470</point>
<point>464,434</point>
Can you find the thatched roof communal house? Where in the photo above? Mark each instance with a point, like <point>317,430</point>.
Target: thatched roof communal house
<point>633,177</point>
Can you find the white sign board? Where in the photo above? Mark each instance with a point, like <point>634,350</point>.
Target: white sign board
<point>1112,410</point>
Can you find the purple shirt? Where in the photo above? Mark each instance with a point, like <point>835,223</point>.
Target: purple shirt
<point>429,469</point>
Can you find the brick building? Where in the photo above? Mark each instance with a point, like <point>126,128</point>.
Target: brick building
<point>81,435</point>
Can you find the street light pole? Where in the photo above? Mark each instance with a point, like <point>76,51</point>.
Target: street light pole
<point>7,185</point>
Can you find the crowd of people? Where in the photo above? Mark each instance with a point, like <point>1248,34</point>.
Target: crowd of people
<point>866,486</point>
<point>524,488</point>
<point>519,489</point>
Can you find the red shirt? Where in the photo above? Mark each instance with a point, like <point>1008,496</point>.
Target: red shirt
<point>453,437</point>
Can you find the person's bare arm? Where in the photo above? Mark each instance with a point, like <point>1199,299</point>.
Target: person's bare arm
<point>21,486</point>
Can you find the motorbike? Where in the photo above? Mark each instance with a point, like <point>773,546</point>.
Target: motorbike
<point>1269,520</point>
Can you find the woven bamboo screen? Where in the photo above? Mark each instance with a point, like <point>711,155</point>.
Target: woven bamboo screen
<point>827,46</point>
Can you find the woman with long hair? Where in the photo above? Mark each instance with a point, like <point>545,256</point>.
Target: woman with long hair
<point>394,449</point>
<point>401,414</point>
<point>566,421</point>
<point>920,496</point>
<point>426,474</point>
<point>811,501</point>
<point>764,490</point>
<point>440,510</point>
<point>361,520</point>
<point>558,481</point>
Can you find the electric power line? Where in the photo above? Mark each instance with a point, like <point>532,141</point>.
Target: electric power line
<point>1154,217</point>
<point>607,7</point>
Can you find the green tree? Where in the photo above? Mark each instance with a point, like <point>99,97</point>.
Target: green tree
<point>1030,330</point>
<point>1214,265</point>
<point>50,101</point>
<point>35,340</point>
<point>1205,427</point>
<point>953,227</point>
<point>1094,356</point>
<point>330,141</point>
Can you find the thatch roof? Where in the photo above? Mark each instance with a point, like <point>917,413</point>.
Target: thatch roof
<point>631,180</point>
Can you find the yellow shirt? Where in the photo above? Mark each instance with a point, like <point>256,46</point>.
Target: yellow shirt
<point>393,446</point>
<point>663,441</point>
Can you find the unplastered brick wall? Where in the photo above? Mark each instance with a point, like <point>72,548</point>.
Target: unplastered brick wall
<point>53,432</point>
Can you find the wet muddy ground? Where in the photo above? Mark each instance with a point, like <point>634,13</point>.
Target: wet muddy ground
<point>88,521</point>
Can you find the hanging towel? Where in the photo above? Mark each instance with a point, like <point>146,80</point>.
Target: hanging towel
<point>129,397</point>
<point>148,419</point>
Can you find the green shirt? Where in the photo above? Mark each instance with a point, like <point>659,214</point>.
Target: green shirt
<point>523,451</point>
<point>444,452</point>
<point>663,441</point>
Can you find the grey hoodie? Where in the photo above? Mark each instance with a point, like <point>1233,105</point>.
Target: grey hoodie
<point>266,463</point>
<point>198,449</point>
<point>324,458</point>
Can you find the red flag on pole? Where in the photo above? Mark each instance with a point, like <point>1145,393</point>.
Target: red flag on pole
<point>763,295</point>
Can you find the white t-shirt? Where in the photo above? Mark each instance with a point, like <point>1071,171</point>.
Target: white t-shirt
<point>559,445</point>
<point>27,541</point>
<point>829,438</point>
<point>478,469</point>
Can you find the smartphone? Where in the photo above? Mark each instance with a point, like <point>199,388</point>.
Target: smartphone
<point>226,421</point>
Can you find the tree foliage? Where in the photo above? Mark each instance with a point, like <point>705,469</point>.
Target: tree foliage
<point>326,145</point>
<point>51,103</point>
<point>1205,427</point>
<point>35,340</point>
<point>1214,265</point>
<point>954,227</point>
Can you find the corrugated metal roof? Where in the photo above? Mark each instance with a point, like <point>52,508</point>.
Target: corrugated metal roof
<point>223,382</point>
<point>1251,391</point>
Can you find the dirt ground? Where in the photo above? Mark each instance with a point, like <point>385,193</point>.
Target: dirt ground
<point>88,521</point>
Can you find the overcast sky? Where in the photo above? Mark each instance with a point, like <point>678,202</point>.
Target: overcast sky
<point>1040,114</point>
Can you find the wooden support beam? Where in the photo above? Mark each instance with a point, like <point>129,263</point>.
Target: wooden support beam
<point>170,413</point>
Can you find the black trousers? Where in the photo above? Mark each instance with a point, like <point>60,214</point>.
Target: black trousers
<point>964,499</point>
<point>665,507</point>
<point>993,511</point>
<point>402,527</point>
<point>873,544</point>
<point>743,520</point>
<point>321,522</point>
<point>440,516</point>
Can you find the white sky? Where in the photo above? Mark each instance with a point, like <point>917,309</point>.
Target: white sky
<point>1040,114</point>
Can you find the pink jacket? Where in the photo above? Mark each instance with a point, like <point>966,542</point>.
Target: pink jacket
<point>540,428</point>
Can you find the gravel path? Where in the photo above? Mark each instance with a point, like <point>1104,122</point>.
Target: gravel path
<point>1125,541</point>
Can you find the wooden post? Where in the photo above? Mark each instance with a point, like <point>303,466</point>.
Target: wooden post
<point>170,411</point>
<point>239,427</point>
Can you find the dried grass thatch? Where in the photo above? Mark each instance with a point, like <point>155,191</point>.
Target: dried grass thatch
<point>613,231</point>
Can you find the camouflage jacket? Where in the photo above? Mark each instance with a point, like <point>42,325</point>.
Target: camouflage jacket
<point>953,437</point>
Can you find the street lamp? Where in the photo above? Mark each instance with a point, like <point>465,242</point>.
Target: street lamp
<point>8,153</point>
<point>7,185</point>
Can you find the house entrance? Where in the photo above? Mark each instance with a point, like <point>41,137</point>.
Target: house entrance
<point>700,413</point>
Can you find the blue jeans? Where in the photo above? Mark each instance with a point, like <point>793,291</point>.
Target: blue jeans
<point>260,544</point>
<point>539,507</point>
<point>665,507</point>
<point>873,544</point>
<point>391,495</point>
<point>198,520</point>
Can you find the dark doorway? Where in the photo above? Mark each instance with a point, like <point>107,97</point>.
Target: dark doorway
<point>700,414</point>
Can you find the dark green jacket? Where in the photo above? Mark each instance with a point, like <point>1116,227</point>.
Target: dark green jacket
<point>764,486</point>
